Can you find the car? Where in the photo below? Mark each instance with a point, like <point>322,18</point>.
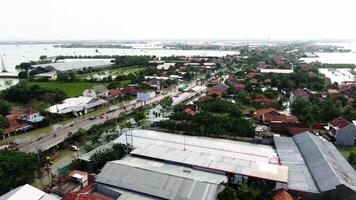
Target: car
<point>92,117</point>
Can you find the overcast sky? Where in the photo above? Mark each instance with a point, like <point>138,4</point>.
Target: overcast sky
<point>177,19</point>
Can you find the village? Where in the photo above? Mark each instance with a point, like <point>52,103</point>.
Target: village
<point>262,124</point>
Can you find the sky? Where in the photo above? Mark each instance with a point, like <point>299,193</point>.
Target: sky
<point>177,19</point>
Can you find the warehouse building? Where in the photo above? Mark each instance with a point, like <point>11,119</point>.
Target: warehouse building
<point>316,169</point>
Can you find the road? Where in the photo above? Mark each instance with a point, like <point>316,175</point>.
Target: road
<point>59,136</point>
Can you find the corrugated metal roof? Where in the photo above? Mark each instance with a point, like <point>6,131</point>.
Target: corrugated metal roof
<point>299,177</point>
<point>314,164</point>
<point>216,162</point>
<point>222,147</point>
<point>160,180</point>
<point>328,167</point>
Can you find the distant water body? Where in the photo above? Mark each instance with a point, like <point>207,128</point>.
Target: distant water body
<point>336,58</point>
<point>14,55</point>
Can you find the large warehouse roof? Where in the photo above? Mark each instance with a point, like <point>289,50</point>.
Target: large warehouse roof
<point>299,177</point>
<point>314,164</point>
<point>76,65</point>
<point>160,179</point>
<point>240,157</point>
<point>216,162</point>
<point>328,167</point>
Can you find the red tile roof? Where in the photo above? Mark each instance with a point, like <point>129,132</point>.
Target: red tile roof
<point>300,93</point>
<point>115,92</point>
<point>263,111</point>
<point>333,91</point>
<point>239,86</point>
<point>282,195</point>
<point>340,122</point>
<point>215,92</point>
<point>319,126</point>
<point>30,111</point>
<point>262,99</point>
<point>204,98</point>
<point>297,130</point>
<point>190,111</point>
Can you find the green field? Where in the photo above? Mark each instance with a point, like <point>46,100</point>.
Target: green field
<point>71,89</point>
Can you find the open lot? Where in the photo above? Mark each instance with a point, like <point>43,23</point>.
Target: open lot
<point>71,89</point>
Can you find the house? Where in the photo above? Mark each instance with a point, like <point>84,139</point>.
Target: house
<point>32,115</point>
<point>97,91</point>
<point>77,105</point>
<point>16,125</point>
<point>213,82</point>
<point>154,84</point>
<point>239,86</point>
<point>52,75</point>
<point>215,92</point>
<point>342,131</point>
<point>262,99</point>
<point>298,93</point>
<point>189,111</point>
<point>165,66</point>
<point>221,87</point>
<point>277,121</point>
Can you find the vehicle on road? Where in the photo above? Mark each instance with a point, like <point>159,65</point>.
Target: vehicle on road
<point>92,117</point>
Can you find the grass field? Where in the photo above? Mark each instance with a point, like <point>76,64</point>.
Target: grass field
<point>71,89</point>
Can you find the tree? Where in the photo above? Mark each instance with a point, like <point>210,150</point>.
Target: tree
<point>43,57</point>
<point>139,115</point>
<point>99,159</point>
<point>17,168</point>
<point>67,77</point>
<point>228,193</point>
<point>5,107</point>
<point>166,102</point>
<point>4,123</point>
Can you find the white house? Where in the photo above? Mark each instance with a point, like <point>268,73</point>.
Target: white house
<point>97,91</point>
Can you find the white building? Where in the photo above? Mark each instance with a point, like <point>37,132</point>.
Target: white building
<point>78,105</point>
<point>27,192</point>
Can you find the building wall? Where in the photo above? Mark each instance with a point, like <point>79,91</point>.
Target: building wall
<point>346,136</point>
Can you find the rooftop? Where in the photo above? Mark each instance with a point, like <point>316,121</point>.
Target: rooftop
<point>160,179</point>
<point>27,192</point>
<point>224,155</point>
<point>76,65</point>
<point>314,164</point>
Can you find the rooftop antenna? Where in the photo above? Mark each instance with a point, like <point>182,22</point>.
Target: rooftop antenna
<point>3,65</point>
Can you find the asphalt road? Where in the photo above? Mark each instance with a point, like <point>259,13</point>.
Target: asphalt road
<point>59,136</point>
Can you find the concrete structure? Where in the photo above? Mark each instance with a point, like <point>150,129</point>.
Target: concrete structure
<point>77,105</point>
<point>276,71</point>
<point>97,91</point>
<point>76,65</point>
<point>27,192</point>
<point>140,178</point>
<point>342,131</point>
<point>165,66</point>
<point>218,155</point>
<point>48,76</point>
<point>316,168</point>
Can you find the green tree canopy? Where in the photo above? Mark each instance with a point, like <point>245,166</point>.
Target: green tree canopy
<point>16,169</point>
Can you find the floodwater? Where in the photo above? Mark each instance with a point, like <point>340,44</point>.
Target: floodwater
<point>336,58</point>
<point>15,54</point>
